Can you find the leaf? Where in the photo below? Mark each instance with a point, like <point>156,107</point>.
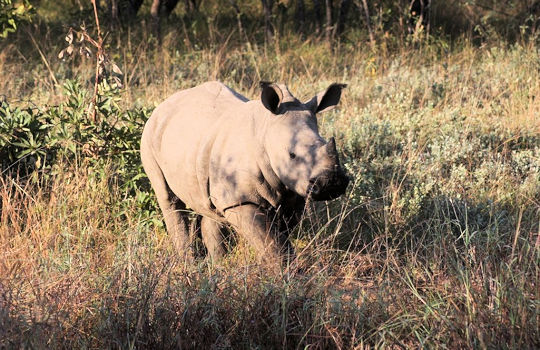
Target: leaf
<point>61,54</point>
<point>69,37</point>
<point>116,70</point>
<point>118,82</point>
<point>20,10</point>
<point>69,49</point>
<point>23,153</point>
<point>85,52</point>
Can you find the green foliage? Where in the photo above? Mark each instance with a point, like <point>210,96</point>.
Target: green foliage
<point>12,15</point>
<point>41,140</point>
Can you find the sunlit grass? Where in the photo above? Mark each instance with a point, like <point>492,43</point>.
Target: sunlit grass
<point>435,244</point>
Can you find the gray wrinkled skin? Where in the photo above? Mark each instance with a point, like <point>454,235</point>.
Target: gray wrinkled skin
<point>248,164</point>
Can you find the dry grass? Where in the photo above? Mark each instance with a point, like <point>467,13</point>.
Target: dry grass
<point>436,244</point>
<point>74,274</point>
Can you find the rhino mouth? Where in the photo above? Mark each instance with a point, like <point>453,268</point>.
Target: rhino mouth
<point>329,185</point>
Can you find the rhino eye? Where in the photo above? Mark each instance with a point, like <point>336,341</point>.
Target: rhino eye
<point>292,155</point>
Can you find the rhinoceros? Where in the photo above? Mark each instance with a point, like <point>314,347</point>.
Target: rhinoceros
<point>235,162</point>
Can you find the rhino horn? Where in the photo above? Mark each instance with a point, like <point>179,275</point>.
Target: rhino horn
<point>331,147</point>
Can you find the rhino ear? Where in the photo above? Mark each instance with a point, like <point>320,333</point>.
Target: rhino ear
<point>327,99</point>
<point>271,96</point>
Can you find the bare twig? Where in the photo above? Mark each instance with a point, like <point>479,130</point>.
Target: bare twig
<point>99,59</point>
<point>368,24</point>
<point>238,12</point>
<point>43,58</point>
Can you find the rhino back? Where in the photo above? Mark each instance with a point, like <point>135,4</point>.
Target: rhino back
<point>192,110</point>
<point>202,141</point>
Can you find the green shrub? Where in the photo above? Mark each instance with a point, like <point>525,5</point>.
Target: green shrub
<point>11,15</point>
<point>40,140</point>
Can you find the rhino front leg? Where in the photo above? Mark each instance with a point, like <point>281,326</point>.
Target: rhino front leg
<point>211,232</point>
<point>287,219</point>
<point>254,225</point>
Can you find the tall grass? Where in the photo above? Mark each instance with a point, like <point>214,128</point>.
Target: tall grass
<point>435,244</point>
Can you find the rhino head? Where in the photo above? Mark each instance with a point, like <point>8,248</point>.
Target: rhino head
<point>303,161</point>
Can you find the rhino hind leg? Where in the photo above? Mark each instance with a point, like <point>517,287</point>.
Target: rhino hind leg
<point>212,235</point>
<point>176,218</point>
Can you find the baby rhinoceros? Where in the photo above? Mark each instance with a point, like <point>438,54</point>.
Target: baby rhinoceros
<point>247,164</point>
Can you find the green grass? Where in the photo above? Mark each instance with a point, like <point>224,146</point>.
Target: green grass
<point>436,243</point>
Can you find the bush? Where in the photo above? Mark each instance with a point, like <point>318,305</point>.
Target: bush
<point>11,16</point>
<point>40,140</point>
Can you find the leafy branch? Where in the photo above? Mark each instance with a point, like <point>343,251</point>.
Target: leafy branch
<point>85,46</point>
<point>12,15</point>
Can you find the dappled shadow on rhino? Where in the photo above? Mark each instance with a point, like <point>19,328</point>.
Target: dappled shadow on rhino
<point>247,164</point>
